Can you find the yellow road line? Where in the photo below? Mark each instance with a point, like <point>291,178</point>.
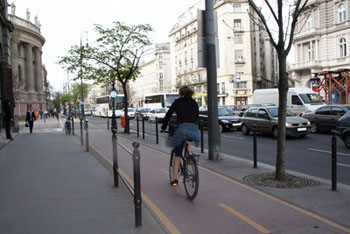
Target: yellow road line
<point>161,216</point>
<point>301,210</point>
<point>246,219</point>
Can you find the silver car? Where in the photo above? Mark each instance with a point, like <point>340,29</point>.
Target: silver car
<point>266,118</point>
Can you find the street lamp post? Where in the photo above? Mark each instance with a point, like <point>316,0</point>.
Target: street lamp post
<point>114,128</point>
<point>82,115</point>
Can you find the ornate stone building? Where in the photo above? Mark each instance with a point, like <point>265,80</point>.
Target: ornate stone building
<point>5,57</point>
<point>29,75</point>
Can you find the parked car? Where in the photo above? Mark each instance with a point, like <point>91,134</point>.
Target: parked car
<point>326,118</point>
<point>265,118</point>
<point>227,120</point>
<point>237,110</point>
<point>142,112</point>
<point>88,112</point>
<point>343,127</point>
<point>246,107</point>
<point>157,113</point>
<point>131,112</point>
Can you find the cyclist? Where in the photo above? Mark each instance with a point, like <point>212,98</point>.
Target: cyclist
<point>186,109</point>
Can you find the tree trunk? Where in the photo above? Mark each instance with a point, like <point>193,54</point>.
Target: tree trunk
<point>126,105</point>
<point>282,112</point>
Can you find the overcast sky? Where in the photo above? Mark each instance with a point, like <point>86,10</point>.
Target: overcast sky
<point>63,21</point>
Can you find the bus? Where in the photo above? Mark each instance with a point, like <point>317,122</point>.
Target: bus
<point>159,100</point>
<point>104,106</point>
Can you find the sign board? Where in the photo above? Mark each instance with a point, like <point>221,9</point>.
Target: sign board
<point>113,93</point>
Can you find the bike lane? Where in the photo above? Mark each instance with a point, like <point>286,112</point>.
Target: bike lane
<point>223,205</point>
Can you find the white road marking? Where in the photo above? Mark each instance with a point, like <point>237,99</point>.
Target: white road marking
<point>237,138</point>
<point>328,152</point>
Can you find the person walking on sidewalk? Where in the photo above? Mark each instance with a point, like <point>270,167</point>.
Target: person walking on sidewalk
<point>30,118</point>
<point>186,109</point>
<point>7,119</point>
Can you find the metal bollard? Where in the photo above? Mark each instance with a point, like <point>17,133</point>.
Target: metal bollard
<point>137,126</point>
<point>81,131</point>
<point>87,135</point>
<point>137,184</point>
<point>157,138</point>
<point>115,160</point>
<point>202,136</point>
<point>107,122</point>
<point>72,125</point>
<point>143,128</point>
<point>255,148</point>
<point>334,162</point>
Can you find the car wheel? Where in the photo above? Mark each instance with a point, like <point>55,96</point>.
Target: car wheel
<point>221,128</point>
<point>275,132</point>
<point>347,141</point>
<point>314,128</point>
<point>245,130</point>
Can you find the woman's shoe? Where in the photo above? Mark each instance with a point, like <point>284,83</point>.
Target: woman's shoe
<point>175,182</point>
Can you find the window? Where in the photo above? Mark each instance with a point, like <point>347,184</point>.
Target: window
<point>262,114</point>
<point>337,111</point>
<point>341,12</point>
<point>237,8</point>
<point>309,22</point>
<point>238,39</point>
<point>239,54</point>
<point>324,110</point>
<point>296,100</point>
<point>252,113</point>
<point>342,47</point>
<point>241,85</point>
<point>237,23</point>
<point>309,52</point>
<point>19,73</point>
<point>223,87</point>
<point>218,87</point>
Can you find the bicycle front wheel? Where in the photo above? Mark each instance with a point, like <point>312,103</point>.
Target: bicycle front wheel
<point>191,179</point>
<point>171,166</point>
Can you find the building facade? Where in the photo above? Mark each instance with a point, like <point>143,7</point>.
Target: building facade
<point>321,41</point>
<point>29,75</point>
<point>155,75</point>
<point>241,56</point>
<point>5,58</point>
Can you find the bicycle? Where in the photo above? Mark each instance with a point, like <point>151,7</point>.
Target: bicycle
<point>188,171</point>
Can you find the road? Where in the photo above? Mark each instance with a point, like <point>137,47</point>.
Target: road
<point>310,155</point>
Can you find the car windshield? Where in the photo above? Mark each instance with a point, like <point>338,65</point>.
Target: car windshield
<point>347,107</point>
<point>311,98</point>
<point>223,112</point>
<point>161,111</point>
<point>145,110</point>
<point>274,112</point>
<point>131,109</point>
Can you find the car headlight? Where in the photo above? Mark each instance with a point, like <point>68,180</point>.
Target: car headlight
<point>308,123</point>
<point>225,121</point>
<point>288,125</point>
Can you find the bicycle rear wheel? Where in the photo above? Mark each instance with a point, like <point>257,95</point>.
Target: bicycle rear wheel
<point>191,178</point>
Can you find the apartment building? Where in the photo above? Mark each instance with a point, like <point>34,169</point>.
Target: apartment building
<point>241,56</point>
<point>154,77</point>
<point>321,41</point>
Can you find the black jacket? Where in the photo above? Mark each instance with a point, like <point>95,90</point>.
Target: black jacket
<point>28,116</point>
<point>186,110</point>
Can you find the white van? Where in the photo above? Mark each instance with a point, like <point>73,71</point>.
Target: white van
<point>299,100</point>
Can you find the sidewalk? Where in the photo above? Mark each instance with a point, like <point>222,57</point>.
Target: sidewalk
<point>49,184</point>
<point>314,209</point>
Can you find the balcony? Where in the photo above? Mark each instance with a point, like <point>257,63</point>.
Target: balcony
<point>314,64</point>
<point>307,34</point>
<point>239,60</point>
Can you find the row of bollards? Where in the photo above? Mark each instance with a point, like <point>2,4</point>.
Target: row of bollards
<point>136,191</point>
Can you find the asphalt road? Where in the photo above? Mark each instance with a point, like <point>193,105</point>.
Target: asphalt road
<point>310,155</point>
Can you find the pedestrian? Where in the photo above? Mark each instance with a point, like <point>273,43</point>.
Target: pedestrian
<point>7,119</point>
<point>41,113</point>
<point>30,118</point>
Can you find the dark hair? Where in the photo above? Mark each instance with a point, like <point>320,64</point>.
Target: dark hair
<point>186,91</point>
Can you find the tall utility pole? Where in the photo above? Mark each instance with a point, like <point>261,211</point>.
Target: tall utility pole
<point>214,142</point>
<point>82,115</point>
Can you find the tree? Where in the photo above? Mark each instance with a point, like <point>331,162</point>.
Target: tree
<point>115,57</point>
<point>75,94</point>
<point>285,24</point>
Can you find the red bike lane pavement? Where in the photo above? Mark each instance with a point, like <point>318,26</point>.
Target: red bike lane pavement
<point>223,205</point>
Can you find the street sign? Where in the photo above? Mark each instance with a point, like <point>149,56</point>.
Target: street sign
<point>113,93</point>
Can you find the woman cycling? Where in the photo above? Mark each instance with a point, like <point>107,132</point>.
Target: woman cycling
<point>186,109</point>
